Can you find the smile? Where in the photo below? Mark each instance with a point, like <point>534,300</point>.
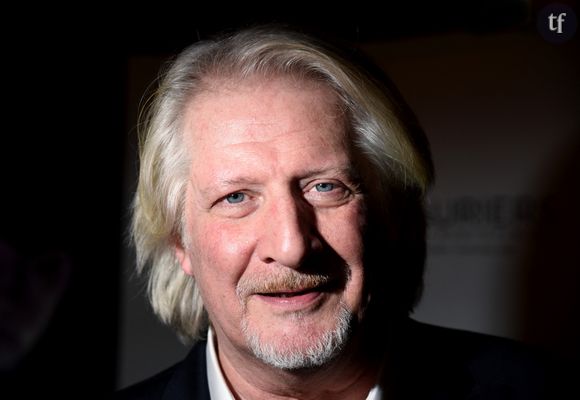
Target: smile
<point>288,293</point>
<point>292,300</point>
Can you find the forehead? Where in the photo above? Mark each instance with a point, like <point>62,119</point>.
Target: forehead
<point>256,110</point>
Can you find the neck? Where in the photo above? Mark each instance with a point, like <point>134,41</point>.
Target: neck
<point>351,375</point>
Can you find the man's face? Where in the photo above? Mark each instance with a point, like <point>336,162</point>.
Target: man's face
<point>274,221</point>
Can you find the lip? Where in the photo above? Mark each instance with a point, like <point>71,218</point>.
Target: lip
<point>291,300</point>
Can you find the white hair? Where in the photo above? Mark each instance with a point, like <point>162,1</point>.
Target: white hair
<point>380,133</point>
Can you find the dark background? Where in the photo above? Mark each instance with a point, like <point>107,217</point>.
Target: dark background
<point>62,157</point>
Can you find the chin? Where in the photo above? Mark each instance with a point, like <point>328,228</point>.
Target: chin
<point>299,346</point>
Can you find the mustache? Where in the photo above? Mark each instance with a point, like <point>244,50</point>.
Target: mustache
<point>287,281</point>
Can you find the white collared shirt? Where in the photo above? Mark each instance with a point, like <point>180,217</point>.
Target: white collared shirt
<point>218,388</point>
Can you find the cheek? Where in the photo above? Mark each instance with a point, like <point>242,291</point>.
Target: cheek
<point>221,250</point>
<point>221,254</point>
<point>343,231</point>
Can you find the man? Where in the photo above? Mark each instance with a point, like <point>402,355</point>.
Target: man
<point>280,205</point>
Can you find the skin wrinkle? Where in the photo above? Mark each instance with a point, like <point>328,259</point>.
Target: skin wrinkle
<point>283,238</point>
<point>295,104</point>
<point>225,184</point>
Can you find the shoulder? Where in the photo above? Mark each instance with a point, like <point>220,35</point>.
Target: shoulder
<point>476,365</point>
<point>186,379</point>
<point>478,350</point>
<point>151,388</point>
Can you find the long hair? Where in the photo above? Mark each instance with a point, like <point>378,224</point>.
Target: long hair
<point>390,150</point>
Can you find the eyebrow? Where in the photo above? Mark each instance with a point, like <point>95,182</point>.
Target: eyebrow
<point>347,170</point>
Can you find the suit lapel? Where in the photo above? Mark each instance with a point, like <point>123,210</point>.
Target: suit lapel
<point>189,381</point>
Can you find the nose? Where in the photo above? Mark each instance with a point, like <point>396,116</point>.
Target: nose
<point>288,232</point>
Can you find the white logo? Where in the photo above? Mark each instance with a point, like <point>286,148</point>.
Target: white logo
<point>559,19</point>
<point>557,23</point>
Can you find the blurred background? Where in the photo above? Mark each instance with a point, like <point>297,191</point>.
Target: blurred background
<point>497,96</point>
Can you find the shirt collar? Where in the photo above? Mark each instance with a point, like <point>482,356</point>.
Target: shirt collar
<point>218,388</point>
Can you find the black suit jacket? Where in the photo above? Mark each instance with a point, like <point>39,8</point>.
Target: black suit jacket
<point>186,380</point>
<point>428,362</point>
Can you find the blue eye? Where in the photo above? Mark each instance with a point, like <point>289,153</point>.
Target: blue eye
<point>324,187</point>
<point>235,198</point>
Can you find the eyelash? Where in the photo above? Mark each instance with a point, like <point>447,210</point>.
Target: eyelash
<point>334,187</point>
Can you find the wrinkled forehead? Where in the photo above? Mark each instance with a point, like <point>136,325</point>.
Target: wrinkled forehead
<point>228,108</point>
<point>234,81</point>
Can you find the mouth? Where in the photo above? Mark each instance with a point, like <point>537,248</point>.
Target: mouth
<point>294,300</point>
<point>289,293</point>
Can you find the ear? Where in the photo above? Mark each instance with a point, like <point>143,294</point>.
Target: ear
<point>182,256</point>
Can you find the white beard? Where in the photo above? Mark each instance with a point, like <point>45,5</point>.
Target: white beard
<point>322,350</point>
